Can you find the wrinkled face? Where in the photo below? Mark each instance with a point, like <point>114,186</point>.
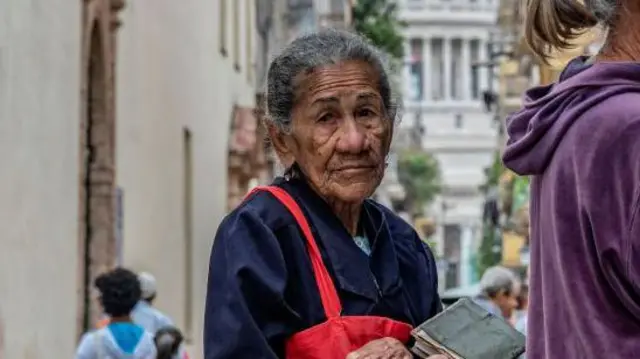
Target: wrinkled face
<point>340,131</point>
<point>508,301</point>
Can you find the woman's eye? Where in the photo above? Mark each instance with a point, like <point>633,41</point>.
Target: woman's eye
<point>365,112</point>
<point>325,118</point>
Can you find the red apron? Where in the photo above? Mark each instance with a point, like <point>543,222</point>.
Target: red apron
<point>338,336</point>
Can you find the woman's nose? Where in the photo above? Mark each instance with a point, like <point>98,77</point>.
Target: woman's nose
<point>352,137</point>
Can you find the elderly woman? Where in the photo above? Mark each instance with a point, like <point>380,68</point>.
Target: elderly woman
<point>310,267</point>
<point>499,291</point>
<point>580,141</point>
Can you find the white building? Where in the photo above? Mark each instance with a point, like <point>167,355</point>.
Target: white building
<point>443,93</point>
<point>115,122</point>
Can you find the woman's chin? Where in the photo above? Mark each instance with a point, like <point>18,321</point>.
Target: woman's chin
<point>354,191</point>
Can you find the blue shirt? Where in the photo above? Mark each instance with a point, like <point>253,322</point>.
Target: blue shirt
<point>489,306</point>
<point>150,318</point>
<point>262,289</point>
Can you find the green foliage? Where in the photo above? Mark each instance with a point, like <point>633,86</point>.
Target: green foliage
<point>491,235</point>
<point>377,20</point>
<point>487,256</point>
<point>493,173</point>
<point>419,174</point>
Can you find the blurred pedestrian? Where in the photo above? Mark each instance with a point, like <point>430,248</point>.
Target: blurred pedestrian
<point>499,290</point>
<point>520,317</point>
<point>523,303</point>
<point>168,343</point>
<point>1,337</point>
<point>523,306</point>
<point>579,140</point>
<point>145,314</point>
<point>121,338</point>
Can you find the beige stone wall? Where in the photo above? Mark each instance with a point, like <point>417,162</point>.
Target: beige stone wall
<point>172,76</point>
<point>40,62</point>
<point>168,76</point>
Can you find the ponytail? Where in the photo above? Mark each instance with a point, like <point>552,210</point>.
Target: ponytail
<point>554,24</point>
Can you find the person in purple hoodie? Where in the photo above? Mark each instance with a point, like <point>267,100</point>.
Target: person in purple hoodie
<point>579,140</point>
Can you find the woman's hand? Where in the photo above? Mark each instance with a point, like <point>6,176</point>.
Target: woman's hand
<point>385,348</point>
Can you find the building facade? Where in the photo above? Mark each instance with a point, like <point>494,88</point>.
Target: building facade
<point>40,130</point>
<point>185,101</point>
<point>118,122</point>
<point>445,84</point>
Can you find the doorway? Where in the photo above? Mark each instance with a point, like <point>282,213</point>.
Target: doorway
<point>97,178</point>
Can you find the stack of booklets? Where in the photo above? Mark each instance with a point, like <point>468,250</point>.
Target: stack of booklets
<point>465,330</point>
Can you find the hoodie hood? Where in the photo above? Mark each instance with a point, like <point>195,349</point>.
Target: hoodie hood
<point>549,111</point>
<point>123,341</point>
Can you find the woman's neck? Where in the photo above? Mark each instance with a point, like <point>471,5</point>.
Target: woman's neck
<point>624,40</point>
<point>348,213</point>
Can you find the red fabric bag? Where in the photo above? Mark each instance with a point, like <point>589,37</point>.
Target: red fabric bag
<point>339,335</point>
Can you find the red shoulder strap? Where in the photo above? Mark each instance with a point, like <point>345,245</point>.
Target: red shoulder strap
<point>328,293</point>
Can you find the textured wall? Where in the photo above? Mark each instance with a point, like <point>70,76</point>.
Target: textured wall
<point>172,76</point>
<point>39,130</point>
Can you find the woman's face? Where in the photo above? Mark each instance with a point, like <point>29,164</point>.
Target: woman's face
<point>340,131</point>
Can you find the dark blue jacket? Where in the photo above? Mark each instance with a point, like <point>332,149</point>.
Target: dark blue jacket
<point>261,286</point>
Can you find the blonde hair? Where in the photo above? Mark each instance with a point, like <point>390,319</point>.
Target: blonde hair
<point>554,24</point>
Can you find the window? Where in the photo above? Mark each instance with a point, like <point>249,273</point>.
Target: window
<point>417,72</point>
<point>451,275</point>
<point>437,69</point>
<point>248,22</point>
<point>236,34</point>
<point>452,236</point>
<point>337,7</point>
<point>456,69</point>
<point>188,230</point>
<point>222,26</point>
<point>459,122</point>
<point>417,132</point>
<point>475,77</point>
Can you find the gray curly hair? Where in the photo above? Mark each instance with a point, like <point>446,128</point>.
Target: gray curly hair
<point>497,279</point>
<point>308,52</point>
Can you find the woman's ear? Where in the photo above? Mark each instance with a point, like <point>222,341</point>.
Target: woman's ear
<point>281,145</point>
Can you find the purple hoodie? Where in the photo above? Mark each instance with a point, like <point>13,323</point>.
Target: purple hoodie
<point>580,141</point>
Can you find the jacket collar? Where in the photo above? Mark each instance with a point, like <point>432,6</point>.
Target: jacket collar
<point>354,271</point>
